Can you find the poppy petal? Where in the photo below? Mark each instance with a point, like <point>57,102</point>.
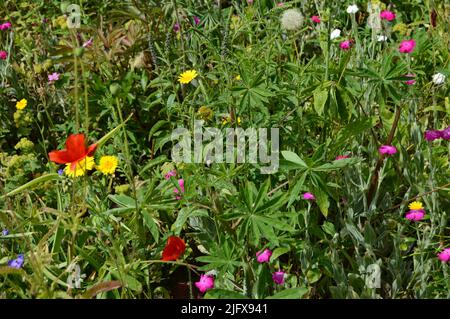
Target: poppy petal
<point>91,149</point>
<point>174,248</point>
<point>75,146</point>
<point>60,157</point>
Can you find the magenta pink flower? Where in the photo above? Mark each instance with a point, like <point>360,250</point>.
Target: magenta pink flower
<point>308,196</point>
<point>387,15</point>
<point>444,255</point>
<point>387,149</point>
<point>345,45</point>
<point>3,55</point>
<point>341,157</point>
<point>446,133</point>
<point>415,215</point>
<point>280,4</point>
<point>176,27</point>
<point>407,46</point>
<point>432,135</point>
<point>412,81</point>
<point>315,19</point>
<point>205,283</point>
<point>278,277</point>
<point>263,257</point>
<point>250,1</point>
<point>5,26</point>
<point>170,173</point>
<point>181,184</point>
<point>196,20</point>
<point>88,43</point>
<point>53,77</point>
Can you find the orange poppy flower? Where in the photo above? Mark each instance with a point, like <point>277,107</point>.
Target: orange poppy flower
<point>174,248</point>
<point>75,151</point>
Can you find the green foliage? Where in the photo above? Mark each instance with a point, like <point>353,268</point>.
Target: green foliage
<point>123,92</point>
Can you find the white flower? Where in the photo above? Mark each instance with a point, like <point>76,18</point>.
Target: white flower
<point>381,38</point>
<point>291,19</point>
<point>438,78</point>
<point>336,33</point>
<point>352,9</point>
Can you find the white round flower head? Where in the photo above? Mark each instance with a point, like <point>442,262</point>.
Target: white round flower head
<point>352,8</point>
<point>438,78</point>
<point>381,38</point>
<point>336,33</point>
<point>291,19</point>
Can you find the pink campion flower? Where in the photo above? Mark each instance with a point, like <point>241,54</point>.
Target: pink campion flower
<point>444,255</point>
<point>3,55</point>
<point>5,26</point>
<point>278,277</point>
<point>446,134</point>
<point>387,149</point>
<point>176,27</point>
<point>387,15</point>
<point>53,77</point>
<point>341,157</point>
<point>170,173</point>
<point>250,1</point>
<point>407,46</point>
<point>196,20</point>
<point>280,4</point>
<point>345,45</point>
<point>88,43</point>
<point>415,215</point>
<point>205,283</point>
<point>315,19</point>
<point>308,196</point>
<point>181,184</point>
<point>412,81</point>
<point>263,257</point>
<point>432,135</point>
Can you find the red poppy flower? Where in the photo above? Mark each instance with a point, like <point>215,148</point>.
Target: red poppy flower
<point>75,151</point>
<point>174,248</point>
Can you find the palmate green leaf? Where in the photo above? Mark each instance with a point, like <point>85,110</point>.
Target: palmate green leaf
<point>295,191</point>
<point>295,161</point>
<point>183,215</point>
<point>291,293</point>
<point>218,262</point>
<point>272,204</point>
<point>224,256</point>
<point>262,194</point>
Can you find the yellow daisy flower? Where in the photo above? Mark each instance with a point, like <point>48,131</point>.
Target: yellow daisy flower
<point>21,104</point>
<point>415,206</point>
<point>81,168</point>
<point>187,77</point>
<point>108,164</point>
<point>238,77</point>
